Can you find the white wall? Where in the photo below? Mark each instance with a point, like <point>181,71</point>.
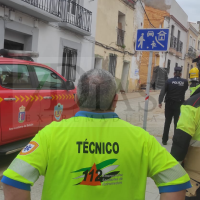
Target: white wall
<point>138,24</point>
<point>51,36</point>
<point>183,38</point>
<point>182,17</point>
<point>49,43</point>
<point>178,13</point>
<point>92,6</point>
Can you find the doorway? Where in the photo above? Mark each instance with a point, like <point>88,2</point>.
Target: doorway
<point>98,63</point>
<point>124,78</point>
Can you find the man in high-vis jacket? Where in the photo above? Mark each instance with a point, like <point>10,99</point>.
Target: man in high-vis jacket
<point>95,155</point>
<point>186,142</point>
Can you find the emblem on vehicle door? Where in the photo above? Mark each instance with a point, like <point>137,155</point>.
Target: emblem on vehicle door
<point>22,114</point>
<point>58,111</point>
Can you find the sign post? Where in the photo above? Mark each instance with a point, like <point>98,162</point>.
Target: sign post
<point>147,91</point>
<point>151,40</point>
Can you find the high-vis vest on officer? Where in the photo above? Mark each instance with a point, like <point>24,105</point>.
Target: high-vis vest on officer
<point>194,79</point>
<point>95,156</point>
<point>186,141</point>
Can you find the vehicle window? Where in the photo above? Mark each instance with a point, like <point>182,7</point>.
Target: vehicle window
<point>15,76</point>
<point>48,79</point>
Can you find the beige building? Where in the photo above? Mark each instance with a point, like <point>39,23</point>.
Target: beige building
<point>192,47</point>
<point>115,39</point>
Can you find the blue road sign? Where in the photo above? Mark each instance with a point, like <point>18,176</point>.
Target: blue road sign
<point>152,40</point>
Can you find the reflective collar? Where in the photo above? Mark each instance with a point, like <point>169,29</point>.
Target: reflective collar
<point>107,115</point>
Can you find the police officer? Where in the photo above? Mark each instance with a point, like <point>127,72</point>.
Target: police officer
<point>194,80</point>
<point>186,142</point>
<point>174,92</point>
<point>95,155</point>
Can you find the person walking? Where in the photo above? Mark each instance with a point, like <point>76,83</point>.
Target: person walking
<point>95,155</point>
<point>174,92</point>
<point>186,142</point>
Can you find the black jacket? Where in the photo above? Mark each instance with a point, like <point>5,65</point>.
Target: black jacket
<point>174,89</point>
<point>183,134</point>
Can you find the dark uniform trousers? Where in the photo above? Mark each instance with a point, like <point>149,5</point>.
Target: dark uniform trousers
<point>172,110</point>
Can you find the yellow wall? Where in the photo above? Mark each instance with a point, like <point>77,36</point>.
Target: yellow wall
<point>189,60</point>
<point>106,33</point>
<point>157,19</point>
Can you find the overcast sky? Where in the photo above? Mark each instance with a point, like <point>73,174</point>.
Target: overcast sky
<point>192,8</point>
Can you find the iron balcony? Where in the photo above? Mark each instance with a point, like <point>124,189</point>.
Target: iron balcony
<point>76,18</point>
<point>120,37</point>
<point>47,10</point>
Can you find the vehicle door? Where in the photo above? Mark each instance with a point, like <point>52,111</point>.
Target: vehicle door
<point>56,101</point>
<point>19,108</point>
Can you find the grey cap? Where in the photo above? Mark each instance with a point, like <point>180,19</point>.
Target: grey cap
<point>178,69</point>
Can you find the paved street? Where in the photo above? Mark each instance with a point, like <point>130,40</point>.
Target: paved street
<point>130,108</point>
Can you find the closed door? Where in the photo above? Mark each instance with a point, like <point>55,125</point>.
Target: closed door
<point>19,108</point>
<point>124,78</point>
<point>57,103</point>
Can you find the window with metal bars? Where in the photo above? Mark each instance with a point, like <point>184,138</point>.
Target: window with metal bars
<point>168,66</point>
<point>69,64</point>
<point>113,64</point>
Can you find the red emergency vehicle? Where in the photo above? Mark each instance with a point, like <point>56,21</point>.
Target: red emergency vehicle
<point>32,96</point>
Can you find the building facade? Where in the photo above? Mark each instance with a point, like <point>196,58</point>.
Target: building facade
<point>166,14</point>
<point>61,31</point>
<point>192,47</point>
<point>157,19</point>
<point>117,24</point>
<point>178,25</point>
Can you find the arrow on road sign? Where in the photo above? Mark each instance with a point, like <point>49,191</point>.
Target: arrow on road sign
<point>53,97</point>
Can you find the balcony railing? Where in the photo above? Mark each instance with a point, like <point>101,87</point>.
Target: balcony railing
<point>131,3</point>
<point>120,37</point>
<point>192,52</point>
<point>50,6</point>
<point>47,10</point>
<point>173,42</point>
<point>76,15</point>
<point>179,46</point>
<point>176,44</point>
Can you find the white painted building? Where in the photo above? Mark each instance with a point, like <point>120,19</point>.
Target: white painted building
<point>136,60</point>
<point>177,23</point>
<point>61,31</point>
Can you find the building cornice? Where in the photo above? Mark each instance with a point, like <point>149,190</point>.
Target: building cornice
<point>179,23</point>
<point>193,30</point>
